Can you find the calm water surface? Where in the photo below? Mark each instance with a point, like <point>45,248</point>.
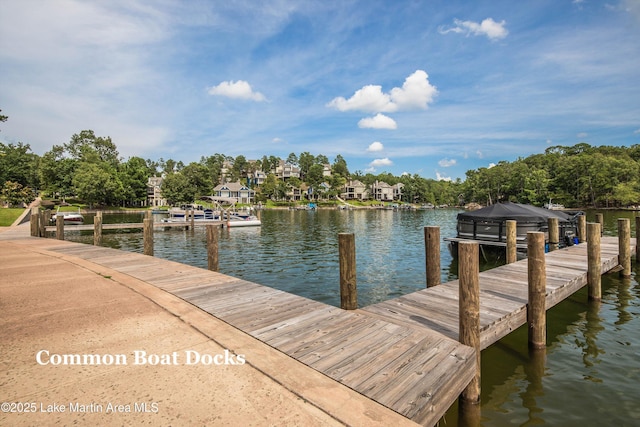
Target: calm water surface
<point>589,374</point>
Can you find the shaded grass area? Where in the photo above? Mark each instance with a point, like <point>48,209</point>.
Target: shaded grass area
<point>8,215</point>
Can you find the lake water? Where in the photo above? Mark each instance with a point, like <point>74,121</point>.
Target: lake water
<point>589,374</point>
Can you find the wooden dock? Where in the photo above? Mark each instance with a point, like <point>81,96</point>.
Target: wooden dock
<point>403,353</point>
<point>132,225</point>
<point>503,294</point>
<point>410,369</point>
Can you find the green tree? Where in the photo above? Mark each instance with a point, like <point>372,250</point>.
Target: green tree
<point>85,146</point>
<point>19,164</point>
<point>134,175</point>
<point>176,189</point>
<point>56,172</point>
<point>339,167</point>
<point>15,194</point>
<point>97,184</point>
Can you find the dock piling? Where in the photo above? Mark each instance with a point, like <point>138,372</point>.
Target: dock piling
<point>537,279</point>
<point>432,254</point>
<point>637,239</point>
<point>582,228</point>
<point>512,255</point>
<point>594,267</point>
<point>469,303</point>
<point>554,234</point>
<point>60,227</point>
<point>348,288</point>
<point>147,234</point>
<point>212,247</point>
<point>34,222</point>
<point>600,220</point>
<point>624,246</point>
<point>97,229</point>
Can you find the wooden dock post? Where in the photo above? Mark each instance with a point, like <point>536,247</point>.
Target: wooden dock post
<point>554,234</point>
<point>97,229</point>
<point>147,234</point>
<point>212,247</point>
<point>600,220</point>
<point>193,219</point>
<point>34,222</point>
<point>624,246</point>
<point>582,228</point>
<point>537,278</point>
<point>60,227</point>
<point>348,288</point>
<point>469,317</point>
<point>594,267</point>
<point>432,254</point>
<point>512,254</point>
<point>638,239</point>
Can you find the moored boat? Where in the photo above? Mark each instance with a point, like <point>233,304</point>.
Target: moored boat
<point>238,220</point>
<point>488,225</point>
<point>69,218</point>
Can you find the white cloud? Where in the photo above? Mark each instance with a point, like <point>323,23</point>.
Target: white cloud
<point>479,154</point>
<point>239,90</point>
<point>375,147</point>
<point>491,29</point>
<point>491,165</point>
<point>582,135</point>
<point>441,177</point>
<point>636,132</point>
<point>415,93</point>
<point>379,121</point>
<point>381,162</point>
<point>445,163</point>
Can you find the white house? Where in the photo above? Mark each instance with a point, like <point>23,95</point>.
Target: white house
<point>235,190</point>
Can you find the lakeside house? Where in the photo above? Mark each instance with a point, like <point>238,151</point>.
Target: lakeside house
<point>154,192</point>
<point>355,190</point>
<point>235,190</point>
<point>383,192</point>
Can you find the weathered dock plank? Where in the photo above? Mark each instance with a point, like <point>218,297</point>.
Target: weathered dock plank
<point>503,294</point>
<point>402,353</point>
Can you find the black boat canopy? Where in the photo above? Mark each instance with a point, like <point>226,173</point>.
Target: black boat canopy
<point>515,211</point>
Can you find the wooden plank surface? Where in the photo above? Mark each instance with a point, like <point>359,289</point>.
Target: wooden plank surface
<point>503,294</point>
<point>403,352</point>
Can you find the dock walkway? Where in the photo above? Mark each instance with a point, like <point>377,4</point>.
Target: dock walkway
<point>402,353</point>
<point>409,369</point>
<point>503,294</point>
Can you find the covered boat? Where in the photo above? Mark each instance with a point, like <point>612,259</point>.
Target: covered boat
<point>488,225</point>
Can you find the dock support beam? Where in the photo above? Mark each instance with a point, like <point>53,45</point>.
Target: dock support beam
<point>60,227</point>
<point>624,246</point>
<point>600,220</point>
<point>638,239</point>
<point>34,222</point>
<point>469,300</point>
<point>512,255</point>
<point>147,234</point>
<point>212,247</point>
<point>348,288</point>
<point>594,267</point>
<point>97,229</point>
<point>432,255</point>
<point>537,278</point>
<point>582,228</point>
<point>554,234</point>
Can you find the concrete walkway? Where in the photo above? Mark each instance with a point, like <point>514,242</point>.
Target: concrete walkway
<point>54,305</point>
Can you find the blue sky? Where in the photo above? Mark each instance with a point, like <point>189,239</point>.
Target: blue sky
<point>433,88</point>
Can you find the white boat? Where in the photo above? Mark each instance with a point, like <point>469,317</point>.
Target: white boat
<point>69,217</point>
<point>243,221</point>
<point>184,212</point>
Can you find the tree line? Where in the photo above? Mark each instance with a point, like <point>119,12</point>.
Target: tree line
<point>90,168</point>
